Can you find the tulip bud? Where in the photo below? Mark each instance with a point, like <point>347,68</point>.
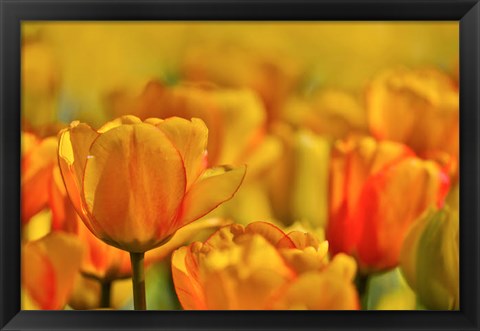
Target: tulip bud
<point>430,259</point>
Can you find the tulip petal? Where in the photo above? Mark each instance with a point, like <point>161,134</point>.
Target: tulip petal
<point>182,236</point>
<point>390,203</point>
<point>344,266</point>
<point>437,261</point>
<point>127,119</point>
<point>73,147</point>
<point>331,293</point>
<point>271,233</point>
<point>37,168</point>
<point>189,291</point>
<point>49,266</point>
<point>215,186</point>
<point>190,138</point>
<point>410,247</point>
<point>353,163</point>
<point>101,260</point>
<point>303,240</point>
<point>38,277</point>
<point>222,289</point>
<point>250,263</point>
<point>28,142</point>
<point>416,107</point>
<point>134,183</point>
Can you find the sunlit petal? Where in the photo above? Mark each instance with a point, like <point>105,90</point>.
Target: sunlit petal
<point>134,182</point>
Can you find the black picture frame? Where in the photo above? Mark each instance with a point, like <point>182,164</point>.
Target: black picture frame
<point>467,12</point>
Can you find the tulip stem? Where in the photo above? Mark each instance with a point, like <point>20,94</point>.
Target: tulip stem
<point>106,293</point>
<point>138,281</point>
<point>361,283</point>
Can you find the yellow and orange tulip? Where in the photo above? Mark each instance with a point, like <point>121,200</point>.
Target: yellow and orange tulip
<point>261,267</point>
<point>49,267</point>
<point>38,161</point>
<point>135,183</point>
<point>377,191</point>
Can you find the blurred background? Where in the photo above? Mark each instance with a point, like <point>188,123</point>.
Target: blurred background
<point>82,63</point>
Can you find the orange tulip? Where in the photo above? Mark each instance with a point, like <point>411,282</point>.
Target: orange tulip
<point>419,108</point>
<point>49,266</point>
<point>38,161</point>
<point>135,183</point>
<point>377,190</point>
<point>261,267</point>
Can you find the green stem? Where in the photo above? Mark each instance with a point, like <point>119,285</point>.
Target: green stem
<point>361,282</point>
<point>138,281</point>
<point>106,294</point>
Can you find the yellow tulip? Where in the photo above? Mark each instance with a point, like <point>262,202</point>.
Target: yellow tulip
<point>298,186</point>
<point>430,259</point>
<point>135,183</point>
<point>419,108</point>
<point>261,267</point>
<point>329,112</point>
<point>49,267</point>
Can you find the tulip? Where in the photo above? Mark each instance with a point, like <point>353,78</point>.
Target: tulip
<point>236,119</point>
<point>419,108</point>
<point>102,264</point>
<point>430,259</point>
<point>377,191</point>
<point>134,183</point>
<point>271,76</point>
<point>49,267</point>
<point>331,113</point>
<point>298,186</point>
<point>261,267</point>
<point>237,126</point>
<point>38,161</point>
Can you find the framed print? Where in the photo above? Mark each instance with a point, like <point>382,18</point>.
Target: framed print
<point>239,165</point>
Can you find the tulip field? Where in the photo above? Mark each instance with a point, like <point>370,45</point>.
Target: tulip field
<point>240,166</point>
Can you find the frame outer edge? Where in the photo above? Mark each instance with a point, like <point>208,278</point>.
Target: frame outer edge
<point>470,164</point>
